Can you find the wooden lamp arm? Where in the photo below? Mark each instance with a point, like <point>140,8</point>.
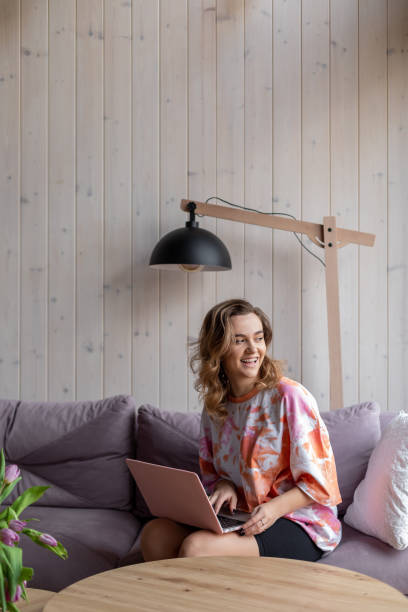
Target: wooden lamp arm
<point>315,231</point>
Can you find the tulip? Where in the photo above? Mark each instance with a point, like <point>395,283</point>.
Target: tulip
<point>8,536</point>
<point>17,595</point>
<point>17,525</point>
<point>12,472</point>
<point>46,538</point>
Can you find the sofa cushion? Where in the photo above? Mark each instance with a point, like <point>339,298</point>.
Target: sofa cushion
<point>354,431</point>
<point>368,555</point>
<point>166,438</point>
<point>385,419</point>
<point>96,541</point>
<point>380,504</point>
<point>79,448</point>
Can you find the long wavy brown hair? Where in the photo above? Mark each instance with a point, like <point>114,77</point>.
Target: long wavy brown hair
<point>214,341</point>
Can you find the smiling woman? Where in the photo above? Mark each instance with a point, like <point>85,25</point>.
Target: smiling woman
<point>233,334</point>
<point>264,449</point>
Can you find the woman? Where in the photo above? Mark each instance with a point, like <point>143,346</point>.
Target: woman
<point>263,448</point>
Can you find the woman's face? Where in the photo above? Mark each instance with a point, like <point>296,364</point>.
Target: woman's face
<point>246,354</point>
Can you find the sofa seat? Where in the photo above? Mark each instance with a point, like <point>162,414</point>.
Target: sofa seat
<point>363,553</point>
<point>96,539</point>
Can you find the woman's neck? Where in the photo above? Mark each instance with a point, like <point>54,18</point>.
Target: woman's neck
<point>239,389</point>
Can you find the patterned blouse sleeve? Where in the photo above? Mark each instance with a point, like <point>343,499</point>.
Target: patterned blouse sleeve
<point>311,456</point>
<point>209,475</point>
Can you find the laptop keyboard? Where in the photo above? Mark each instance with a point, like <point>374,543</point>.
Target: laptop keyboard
<point>226,522</point>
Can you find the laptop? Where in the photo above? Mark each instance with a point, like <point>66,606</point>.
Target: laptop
<point>180,496</point>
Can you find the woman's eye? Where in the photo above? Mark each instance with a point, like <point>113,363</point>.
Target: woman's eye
<point>260,338</point>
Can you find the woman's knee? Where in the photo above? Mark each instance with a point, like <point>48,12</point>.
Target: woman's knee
<point>161,539</point>
<point>197,544</point>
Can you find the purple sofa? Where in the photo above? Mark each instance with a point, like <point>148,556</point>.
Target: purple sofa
<point>94,508</point>
<point>79,449</point>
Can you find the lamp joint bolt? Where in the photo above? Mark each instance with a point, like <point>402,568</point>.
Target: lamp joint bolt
<point>330,244</point>
<point>191,206</point>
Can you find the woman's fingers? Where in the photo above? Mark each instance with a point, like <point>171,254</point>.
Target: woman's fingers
<point>216,500</point>
<point>257,523</point>
<point>219,498</point>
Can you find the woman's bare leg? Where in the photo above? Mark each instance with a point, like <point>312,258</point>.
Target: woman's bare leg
<point>208,544</point>
<point>162,538</point>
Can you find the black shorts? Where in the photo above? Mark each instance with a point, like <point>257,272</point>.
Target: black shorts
<point>289,540</point>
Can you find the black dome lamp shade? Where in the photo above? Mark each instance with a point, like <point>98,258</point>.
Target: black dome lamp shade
<point>191,249</point>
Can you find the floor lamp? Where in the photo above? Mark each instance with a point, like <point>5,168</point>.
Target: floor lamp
<point>193,248</point>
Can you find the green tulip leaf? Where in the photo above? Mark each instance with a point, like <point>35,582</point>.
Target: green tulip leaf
<point>2,466</point>
<point>2,589</point>
<point>25,574</point>
<point>59,549</point>
<point>23,592</point>
<point>15,557</point>
<point>27,498</point>
<point>8,489</point>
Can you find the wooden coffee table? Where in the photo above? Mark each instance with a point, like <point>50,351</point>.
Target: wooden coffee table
<point>37,598</point>
<point>230,584</point>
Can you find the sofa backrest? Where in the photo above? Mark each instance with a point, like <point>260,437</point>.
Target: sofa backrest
<point>78,448</point>
<point>171,439</point>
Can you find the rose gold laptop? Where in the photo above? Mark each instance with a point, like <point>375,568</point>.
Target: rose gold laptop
<point>179,495</point>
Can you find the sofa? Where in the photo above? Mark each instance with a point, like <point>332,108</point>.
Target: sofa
<point>94,508</point>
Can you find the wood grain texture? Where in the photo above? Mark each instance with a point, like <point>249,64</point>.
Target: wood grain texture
<point>202,158</point>
<point>118,209</point>
<point>397,202</point>
<point>173,183</point>
<point>230,138</point>
<point>373,200</point>
<point>37,598</point>
<point>344,175</point>
<point>10,198</point>
<point>315,191</point>
<point>61,189</point>
<point>145,204</point>
<point>228,583</point>
<point>89,201</point>
<point>258,285</point>
<point>333,312</point>
<point>301,102</point>
<point>287,182</point>
<point>34,199</point>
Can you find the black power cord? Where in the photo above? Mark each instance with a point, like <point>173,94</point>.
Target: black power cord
<point>268,213</point>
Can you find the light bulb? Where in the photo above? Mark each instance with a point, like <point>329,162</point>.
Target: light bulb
<point>190,267</point>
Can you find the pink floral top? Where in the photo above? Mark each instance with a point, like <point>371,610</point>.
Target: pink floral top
<point>271,441</point>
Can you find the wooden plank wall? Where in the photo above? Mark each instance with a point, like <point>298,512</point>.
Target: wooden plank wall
<point>112,110</point>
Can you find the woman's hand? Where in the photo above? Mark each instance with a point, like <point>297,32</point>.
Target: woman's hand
<point>224,492</point>
<point>262,517</point>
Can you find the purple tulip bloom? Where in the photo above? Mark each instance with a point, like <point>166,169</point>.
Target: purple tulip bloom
<point>8,536</point>
<point>12,472</point>
<point>17,525</point>
<point>46,538</point>
<point>17,595</point>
